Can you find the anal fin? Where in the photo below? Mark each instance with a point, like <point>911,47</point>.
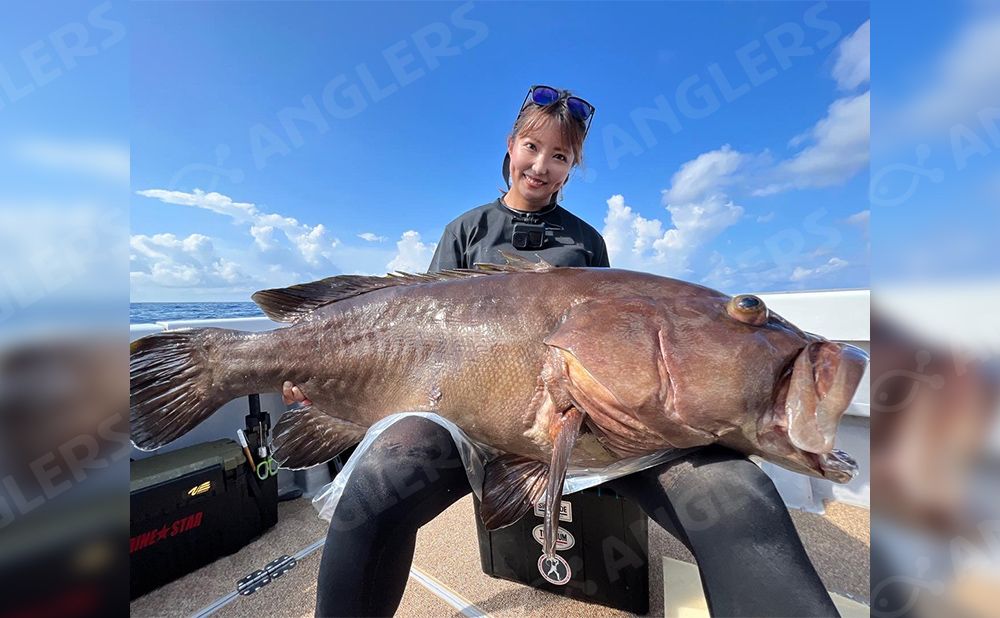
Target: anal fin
<point>308,437</point>
<point>512,485</point>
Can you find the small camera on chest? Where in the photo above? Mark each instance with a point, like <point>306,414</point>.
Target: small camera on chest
<point>528,234</point>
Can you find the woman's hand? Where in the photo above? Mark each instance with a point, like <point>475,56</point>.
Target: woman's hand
<point>290,393</point>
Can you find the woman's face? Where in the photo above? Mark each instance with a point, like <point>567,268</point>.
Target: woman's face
<point>540,164</point>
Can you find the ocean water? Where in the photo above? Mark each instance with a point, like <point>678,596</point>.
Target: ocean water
<point>145,313</point>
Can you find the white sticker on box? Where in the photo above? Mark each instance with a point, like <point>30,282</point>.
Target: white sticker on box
<point>565,510</point>
<point>564,538</point>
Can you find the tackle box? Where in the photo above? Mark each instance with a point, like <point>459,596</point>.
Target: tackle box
<point>192,506</point>
<point>602,550</point>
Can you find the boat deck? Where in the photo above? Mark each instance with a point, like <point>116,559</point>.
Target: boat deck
<point>446,579</point>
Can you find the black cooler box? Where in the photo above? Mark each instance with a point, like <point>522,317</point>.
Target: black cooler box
<point>192,506</point>
<point>603,546</point>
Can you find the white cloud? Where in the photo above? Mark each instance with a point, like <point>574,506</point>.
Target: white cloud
<point>168,261</point>
<point>412,255</point>
<point>297,245</point>
<point>837,150</point>
<point>282,250</point>
<point>699,200</point>
<point>699,210</point>
<point>852,67</point>
<point>708,173</point>
<point>832,152</point>
<point>263,236</point>
<point>242,212</point>
<point>757,274</point>
<point>637,243</point>
<point>962,81</point>
<point>861,219</point>
<point>104,159</point>
<point>833,264</point>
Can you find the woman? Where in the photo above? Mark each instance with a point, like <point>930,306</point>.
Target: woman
<point>715,501</point>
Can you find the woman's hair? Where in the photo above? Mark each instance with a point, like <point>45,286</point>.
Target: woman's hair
<point>534,117</point>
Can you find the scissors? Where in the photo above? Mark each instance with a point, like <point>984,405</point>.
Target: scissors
<point>266,468</point>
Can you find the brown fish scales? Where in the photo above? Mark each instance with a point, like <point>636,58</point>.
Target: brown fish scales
<point>549,365</point>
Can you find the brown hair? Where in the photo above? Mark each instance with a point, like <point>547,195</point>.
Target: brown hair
<point>534,117</point>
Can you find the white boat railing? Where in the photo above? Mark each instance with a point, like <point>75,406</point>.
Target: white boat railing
<point>838,315</point>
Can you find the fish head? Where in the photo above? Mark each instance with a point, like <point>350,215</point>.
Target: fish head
<point>793,386</point>
<point>681,366</point>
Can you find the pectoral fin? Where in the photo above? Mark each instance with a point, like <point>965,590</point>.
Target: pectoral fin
<point>308,437</point>
<point>564,430</point>
<point>513,483</point>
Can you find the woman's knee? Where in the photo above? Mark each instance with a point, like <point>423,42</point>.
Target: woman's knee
<point>412,457</point>
<point>412,446</point>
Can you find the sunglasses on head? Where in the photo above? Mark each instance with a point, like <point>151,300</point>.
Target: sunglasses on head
<point>547,95</point>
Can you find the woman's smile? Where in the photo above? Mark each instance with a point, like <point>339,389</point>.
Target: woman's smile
<point>534,182</point>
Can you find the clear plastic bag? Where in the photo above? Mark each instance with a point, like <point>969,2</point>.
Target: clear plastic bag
<point>474,457</point>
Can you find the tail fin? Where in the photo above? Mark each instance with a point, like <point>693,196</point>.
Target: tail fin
<point>170,386</point>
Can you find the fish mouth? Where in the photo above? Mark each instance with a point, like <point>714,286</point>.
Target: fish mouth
<point>837,466</point>
<point>813,398</point>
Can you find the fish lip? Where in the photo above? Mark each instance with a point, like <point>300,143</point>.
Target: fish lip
<point>823,460</point>
<point>820,387</point>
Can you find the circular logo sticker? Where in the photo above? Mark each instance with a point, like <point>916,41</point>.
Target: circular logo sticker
<point>564,540</point>
<point>555,571</point>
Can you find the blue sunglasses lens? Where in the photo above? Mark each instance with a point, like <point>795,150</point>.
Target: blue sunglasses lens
<point>544,96</point>
<point>579,109</point>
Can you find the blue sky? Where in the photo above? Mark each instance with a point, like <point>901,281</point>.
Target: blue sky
<point>267,138</point>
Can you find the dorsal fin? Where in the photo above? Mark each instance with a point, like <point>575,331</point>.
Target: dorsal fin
<point>515,264</point>
<point>291,303</point>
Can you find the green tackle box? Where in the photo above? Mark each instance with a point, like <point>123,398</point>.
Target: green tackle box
<point>192,506</point>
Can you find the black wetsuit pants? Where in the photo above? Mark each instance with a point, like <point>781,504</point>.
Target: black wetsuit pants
<point>715,501</point>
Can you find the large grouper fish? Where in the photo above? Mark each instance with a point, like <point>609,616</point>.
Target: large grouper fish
<point>550,366</point>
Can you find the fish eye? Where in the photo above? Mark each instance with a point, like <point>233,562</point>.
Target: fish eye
<point>748,309</point>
